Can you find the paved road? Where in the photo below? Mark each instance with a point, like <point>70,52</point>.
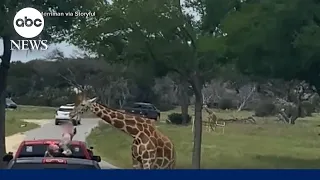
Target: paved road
<point>50,130</point>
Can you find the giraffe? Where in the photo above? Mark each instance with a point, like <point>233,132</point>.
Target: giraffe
<point>150,148</point>
<point>213,120</point>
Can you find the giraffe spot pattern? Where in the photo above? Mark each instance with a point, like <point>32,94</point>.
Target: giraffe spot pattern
<point>99,114</point>
<point>120,116</point>
<point>132,130</point>
<point>140,127</point>
<point>106,118</point>
<point>160,152</point>
<point>145,125</point>
<point>105,112</point>
<point>148,133</point>
<point>113,115</point>
<point>145,155</point>
<point>144,138</point>
<point>130,122</point>
<point>160,142</point>
<point>118,124</point>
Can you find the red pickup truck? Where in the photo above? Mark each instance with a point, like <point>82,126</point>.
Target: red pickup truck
<point>37,148</point>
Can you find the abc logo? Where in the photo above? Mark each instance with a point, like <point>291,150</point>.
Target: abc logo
<point>28,22</point>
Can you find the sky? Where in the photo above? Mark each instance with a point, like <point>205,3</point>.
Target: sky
<point>24,56</point>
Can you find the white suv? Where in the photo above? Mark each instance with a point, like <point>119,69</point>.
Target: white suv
<point>62,115</point>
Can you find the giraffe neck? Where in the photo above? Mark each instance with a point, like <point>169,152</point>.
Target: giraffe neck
<point>117,119</point>
<point>208,110</point>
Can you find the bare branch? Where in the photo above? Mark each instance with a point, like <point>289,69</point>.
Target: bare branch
<point>73,81</point>
<point>245,100</point>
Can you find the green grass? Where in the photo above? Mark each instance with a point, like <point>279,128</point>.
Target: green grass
<point>14,126</point>
<point>264,145</point>
<point>31,112</point>
<point>14,118</point>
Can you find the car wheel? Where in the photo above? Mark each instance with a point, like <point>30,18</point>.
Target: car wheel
<point>56,122</point>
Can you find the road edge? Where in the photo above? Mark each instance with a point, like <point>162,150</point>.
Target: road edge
<point>102,163</point>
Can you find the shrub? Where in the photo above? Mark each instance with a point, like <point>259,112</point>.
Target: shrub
<point>265,109</point>
<point>307,108</point>
<point>176,118</point>
<point>291,110</point>
<point>225,103</point>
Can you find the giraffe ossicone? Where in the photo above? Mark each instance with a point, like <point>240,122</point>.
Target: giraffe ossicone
<point>151,149</point>
<point>93,99</point>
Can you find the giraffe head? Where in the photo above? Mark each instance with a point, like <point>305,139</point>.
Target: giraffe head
<point>82,104</point>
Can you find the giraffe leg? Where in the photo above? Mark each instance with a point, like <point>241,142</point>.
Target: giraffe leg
<point>136,164</point>
<point>171,165</point>
<point>149,163</point>
<point>135,156</point>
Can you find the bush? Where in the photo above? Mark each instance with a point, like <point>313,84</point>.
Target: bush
<point>307,108</point>
<point>225,103</point>
<point>265,109</point>
<point>291,110</point>
<point>176,118</point>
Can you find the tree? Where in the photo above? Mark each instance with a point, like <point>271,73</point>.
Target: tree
<point>159,34</point>
<point>275,39</point>
<point>56,29</point>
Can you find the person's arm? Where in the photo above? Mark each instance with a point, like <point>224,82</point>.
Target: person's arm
<point>74,131</point>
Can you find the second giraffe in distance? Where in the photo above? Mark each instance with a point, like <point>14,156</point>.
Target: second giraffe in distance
<point>213,120</point>
<point>150,148</point>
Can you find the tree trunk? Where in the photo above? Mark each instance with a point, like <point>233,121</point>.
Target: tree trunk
<point>299,105</point>
<point>184,112</point>
<point>184,101</point>
<point>4,67</point>
<point>197,136</point>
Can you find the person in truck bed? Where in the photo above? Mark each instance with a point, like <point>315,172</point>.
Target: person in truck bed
<point>52,151</point>
<point>69,131</point>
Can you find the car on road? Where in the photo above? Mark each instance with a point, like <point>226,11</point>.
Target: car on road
<point>62,115</point>
<point>52,163</point>
<point>37,148</point>
<point>10,104</point>
<point>147,110</point>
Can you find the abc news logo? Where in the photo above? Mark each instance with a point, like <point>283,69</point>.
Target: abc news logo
<point>28,23</point>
